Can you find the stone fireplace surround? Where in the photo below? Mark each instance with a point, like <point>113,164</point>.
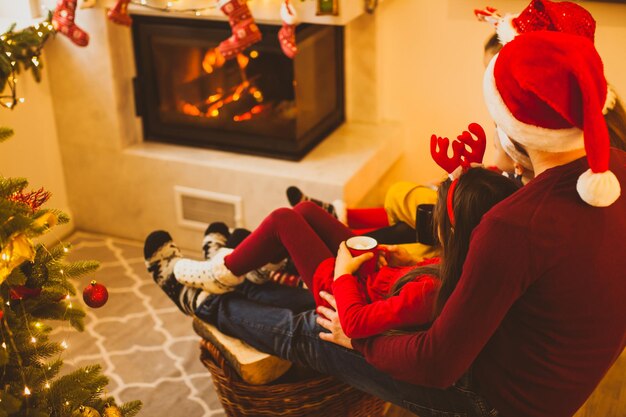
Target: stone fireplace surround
<point>120,185</point>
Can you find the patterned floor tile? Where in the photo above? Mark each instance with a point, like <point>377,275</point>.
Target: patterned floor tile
<point>146,347</point>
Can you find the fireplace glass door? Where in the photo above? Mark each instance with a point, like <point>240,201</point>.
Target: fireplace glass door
<point>260,102</point>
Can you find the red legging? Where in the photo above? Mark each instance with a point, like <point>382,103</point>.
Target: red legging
<point>307,233</point>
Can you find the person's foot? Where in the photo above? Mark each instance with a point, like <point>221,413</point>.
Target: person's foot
<point>295,196</point>
<point>236,237</point>
<point>161,255</point>
<point>215,238</point>
<point>264,274</point>
<point>211,275</point>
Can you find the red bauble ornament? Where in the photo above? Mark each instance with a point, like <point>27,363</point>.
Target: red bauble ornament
<point>1,314</point>
<point>95,295</point>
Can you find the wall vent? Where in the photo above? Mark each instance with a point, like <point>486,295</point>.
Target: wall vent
<point>196,208</point>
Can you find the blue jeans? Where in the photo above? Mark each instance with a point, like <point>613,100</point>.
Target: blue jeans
<point>290,331</point>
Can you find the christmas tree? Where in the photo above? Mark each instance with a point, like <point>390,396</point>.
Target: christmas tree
<point>35,288</point>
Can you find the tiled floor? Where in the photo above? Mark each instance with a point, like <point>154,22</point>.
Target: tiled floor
<point>146,347</point>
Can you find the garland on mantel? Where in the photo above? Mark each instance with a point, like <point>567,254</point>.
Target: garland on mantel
<point>324,7</point>
<point>169,7</point>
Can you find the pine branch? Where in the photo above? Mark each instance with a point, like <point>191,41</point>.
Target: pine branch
<point>8,403</point>
<point>12,226</point>
<point>16,277</point>
<point>44,351</point>
<point>60,311</point>
<point>81,387</point>
<point>130,408</point>
<point>9,186</point>
<point>80,268</point>
<point>21,51</point>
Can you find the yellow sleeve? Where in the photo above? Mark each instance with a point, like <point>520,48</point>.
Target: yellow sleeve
<point>402,199</point>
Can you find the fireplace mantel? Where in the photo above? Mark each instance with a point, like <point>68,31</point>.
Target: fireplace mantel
<point>265,11</point>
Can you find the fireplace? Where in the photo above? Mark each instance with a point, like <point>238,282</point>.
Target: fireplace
<point>260,103</point>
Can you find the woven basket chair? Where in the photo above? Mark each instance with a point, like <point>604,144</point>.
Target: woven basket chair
<point>315,396</point>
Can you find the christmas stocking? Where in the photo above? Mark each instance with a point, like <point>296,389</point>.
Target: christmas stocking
<point>119,13</point>
<point>63,21</point>
<point>245,31</point>
<point>287,34</point>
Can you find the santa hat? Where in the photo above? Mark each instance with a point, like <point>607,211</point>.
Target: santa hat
<point>546,90</point>
<point>562,16</point>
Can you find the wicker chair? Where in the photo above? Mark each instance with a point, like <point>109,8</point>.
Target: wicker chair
<point>312,396</point>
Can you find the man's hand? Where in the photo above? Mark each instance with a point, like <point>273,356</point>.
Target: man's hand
<point>346,264</point>
<point>396,255</point>
<point>329,319</point>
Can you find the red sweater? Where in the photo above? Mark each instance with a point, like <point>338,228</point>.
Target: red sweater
<point>539,311</point>
<point>365,310</point>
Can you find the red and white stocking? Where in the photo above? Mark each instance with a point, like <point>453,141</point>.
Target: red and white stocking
<point>119,13</point>
<point>245,30</point>
<point>63,21</point>
<point>287,34</point>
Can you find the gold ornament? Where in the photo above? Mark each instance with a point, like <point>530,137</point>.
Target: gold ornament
<point>47,219</point>
<point>84,411</point>
<point>18,250</point>
<point>112,411</point>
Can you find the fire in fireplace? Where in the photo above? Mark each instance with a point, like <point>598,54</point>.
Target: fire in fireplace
<point>260,103</point>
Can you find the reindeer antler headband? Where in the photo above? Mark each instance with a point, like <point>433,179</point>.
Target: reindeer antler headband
<point>466,151</point>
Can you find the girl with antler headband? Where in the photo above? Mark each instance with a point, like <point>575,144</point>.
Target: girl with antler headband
<point>395,297</point>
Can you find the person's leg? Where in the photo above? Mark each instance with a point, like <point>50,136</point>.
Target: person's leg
<point>283,232</point>
<point>328,228</point>
<point>215,237</point>
<point>161,254</point>
<point>295,337</point>
<point>295,299</point>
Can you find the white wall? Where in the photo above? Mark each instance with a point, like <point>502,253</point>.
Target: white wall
<point>33,152</point>
<point>430,61</point>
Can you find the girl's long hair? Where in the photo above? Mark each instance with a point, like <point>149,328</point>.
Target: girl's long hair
<point>477,191</point>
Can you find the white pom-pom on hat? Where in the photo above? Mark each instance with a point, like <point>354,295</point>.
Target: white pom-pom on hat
<point>598,189</point>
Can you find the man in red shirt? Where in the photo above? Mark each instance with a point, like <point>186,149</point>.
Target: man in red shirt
<point>538,314</point>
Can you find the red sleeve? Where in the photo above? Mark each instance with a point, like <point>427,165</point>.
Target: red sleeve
<point>359,318</point>
<point>494,275</point>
